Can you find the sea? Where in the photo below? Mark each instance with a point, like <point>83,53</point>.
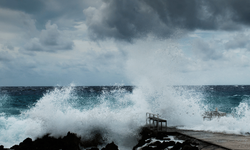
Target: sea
<point>117,112</point>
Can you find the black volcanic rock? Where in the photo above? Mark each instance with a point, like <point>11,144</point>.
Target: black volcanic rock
<point>161,136</point>
<point>94,141</point>
<point>68,142</point>
<point>110,146</point>
<point>162,141</point>
<point>148,148</point>
<point>157,143</point>
<point>15,147</point>
<point>164,145</point>
<point>189,147</point>
<point>177,146</point>
<point>93,148</point>
<point>1,147</point>
<point>145,135</point>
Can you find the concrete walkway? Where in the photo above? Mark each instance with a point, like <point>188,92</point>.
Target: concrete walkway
<point>228,141</point>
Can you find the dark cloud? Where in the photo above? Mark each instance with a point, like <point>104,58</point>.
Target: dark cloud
<point>43,10</point>
<point>28,6</point>
<point>51,39</point>
<point>130,19</point>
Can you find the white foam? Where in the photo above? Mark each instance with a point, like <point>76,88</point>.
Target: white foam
<point>237,123</point>
<point>153,140</point>
<point>56,113</point>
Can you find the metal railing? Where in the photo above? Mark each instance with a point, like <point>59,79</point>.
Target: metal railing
<point>153,121</point>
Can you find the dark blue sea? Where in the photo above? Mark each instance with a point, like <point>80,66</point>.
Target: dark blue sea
<point>118,111</point>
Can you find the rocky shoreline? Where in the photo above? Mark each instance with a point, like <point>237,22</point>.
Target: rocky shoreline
<point>69,142</point>
<point>148,140</point>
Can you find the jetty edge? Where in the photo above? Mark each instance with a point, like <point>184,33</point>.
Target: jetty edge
<point>155,136</point>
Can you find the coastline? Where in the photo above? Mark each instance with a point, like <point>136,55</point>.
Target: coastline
<point>148,140</point>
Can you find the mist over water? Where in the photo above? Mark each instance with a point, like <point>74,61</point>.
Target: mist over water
<point>154,73</point>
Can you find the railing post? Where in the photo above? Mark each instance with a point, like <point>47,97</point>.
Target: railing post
<point>157,122</point>
<point>153,121</point>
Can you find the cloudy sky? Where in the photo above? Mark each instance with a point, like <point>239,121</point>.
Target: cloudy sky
<point>107,42</point>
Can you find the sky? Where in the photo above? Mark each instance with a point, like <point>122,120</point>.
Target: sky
<point>124,42</point>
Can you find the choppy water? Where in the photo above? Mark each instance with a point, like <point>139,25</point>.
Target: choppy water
<point>117,111</point>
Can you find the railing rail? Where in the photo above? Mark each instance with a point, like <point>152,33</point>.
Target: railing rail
<point>153,121</point>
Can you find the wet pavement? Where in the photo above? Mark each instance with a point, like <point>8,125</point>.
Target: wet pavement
<point>223,141</point>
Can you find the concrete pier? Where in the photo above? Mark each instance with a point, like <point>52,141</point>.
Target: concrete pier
<point>219,140</point>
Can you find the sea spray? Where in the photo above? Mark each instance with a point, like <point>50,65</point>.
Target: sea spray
<point>154,71</point>
<point>116,112</point>
<point>59,111</point>
<point>236,122</point>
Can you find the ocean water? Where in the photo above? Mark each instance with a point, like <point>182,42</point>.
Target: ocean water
<point>117,111</point>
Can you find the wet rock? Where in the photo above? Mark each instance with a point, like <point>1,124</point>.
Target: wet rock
<point>161,136</point>
<point>26,144</point>
<point>69,142</point>
<point>140,143</point>
<point>166,139</point>
<point>93,148</point>
<point>156,144</point>
<point>148,148</point>
<point>111,146</point>
<point>96,140</point>
<point>27,141</point>
<point>189,147</point>
<point>187,142</point>
<point>47,142</point>
<point>145,136</point>
<point>166,144</point>
<point>15,147</point>
<point>148,141</point>
<point>146,133</point>
<point>190,142</point>
<point>177,146</point>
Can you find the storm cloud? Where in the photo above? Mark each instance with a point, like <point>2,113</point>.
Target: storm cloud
<point>56,10</point>
<point>103,42</point>
<point>131,19</point>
